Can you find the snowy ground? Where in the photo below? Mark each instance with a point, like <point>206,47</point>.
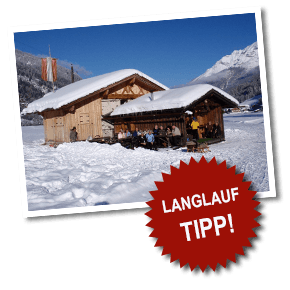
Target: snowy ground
<point>88,174</point>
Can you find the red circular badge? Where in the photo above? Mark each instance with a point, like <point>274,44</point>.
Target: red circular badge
<point>203,214</point>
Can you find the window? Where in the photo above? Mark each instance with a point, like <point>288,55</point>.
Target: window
<point>59,121</point>
<point>84,118</point>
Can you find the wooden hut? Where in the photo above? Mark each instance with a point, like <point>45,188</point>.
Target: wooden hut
<point>82,104</point>
<point>174,107</point>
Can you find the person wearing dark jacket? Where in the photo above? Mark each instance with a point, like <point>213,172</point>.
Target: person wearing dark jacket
<point>216,130</point>
<point>162,137</point>
<point>73,136</point>
<point>142,141</point>
<point>209,130</point>
<point>135,137</point>
<point>136,133</point>
<point>155,131</point>
<point>188,128</point>
<point>162,132</point>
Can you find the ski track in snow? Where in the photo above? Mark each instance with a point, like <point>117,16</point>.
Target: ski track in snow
<point>88,174</point>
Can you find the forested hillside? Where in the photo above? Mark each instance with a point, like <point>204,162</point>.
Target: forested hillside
<point>30,85</point>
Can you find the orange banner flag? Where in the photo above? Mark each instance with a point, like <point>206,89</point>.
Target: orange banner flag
<point>49,69</point>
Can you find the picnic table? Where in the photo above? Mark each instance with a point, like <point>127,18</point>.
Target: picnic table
<point>128,142</point>
<point>131,142</point>
<point>104,140</point>
<point>163,140</point>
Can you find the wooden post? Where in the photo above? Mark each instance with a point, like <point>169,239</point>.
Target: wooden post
<point>184,130</point>
<point>72,74</point>
<point>51,68</point>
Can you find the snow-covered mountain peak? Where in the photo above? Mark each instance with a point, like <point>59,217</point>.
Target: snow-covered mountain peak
<point>245,58</point>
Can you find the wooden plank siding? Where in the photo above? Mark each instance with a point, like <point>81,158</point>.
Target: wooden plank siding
<point>207,109</point>
<point>86,118</point>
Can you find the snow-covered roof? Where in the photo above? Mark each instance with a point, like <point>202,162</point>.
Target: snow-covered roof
<point>82,88</point>
<point>169,99</point>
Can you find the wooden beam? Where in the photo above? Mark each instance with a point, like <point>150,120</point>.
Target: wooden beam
<point>144,116</point>
<point>105,93</point>
<point>132,82</point>
<point>124,96</point>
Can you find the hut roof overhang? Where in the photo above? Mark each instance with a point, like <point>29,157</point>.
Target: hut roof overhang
<point>86,88</point>
<point>177,100</point>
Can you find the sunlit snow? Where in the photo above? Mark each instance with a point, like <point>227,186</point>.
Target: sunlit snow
<point>87,174</point>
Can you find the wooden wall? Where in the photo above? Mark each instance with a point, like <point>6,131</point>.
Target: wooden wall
<point>214,116</point>
<point>86,117</point>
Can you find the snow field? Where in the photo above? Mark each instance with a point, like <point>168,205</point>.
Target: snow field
<point>88,174</point>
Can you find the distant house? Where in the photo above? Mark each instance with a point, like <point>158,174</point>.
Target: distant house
<point>82,104</point>
<point>235,110</point>
<point>252,104</point>
<point>174,107</point>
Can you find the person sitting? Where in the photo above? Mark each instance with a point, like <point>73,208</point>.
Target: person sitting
<point>150,141</point>
<point>142,141</point>
<point>145,132</point>
<point>176,136</point>
<point>162,132</point>
<point>169,127</point>
<point>136,133</point>
<point>121,134</point>
<point>209,133</point>
<point>216,130</point>
<point>127,134</point>
<point>156,131</point>
<point>162,137</point>
<point>169,135</point>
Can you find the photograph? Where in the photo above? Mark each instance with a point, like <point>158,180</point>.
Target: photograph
<point>106,109</point>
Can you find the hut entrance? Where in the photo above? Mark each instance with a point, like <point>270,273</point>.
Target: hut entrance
<point>85,128</point>
<point>54,125</point>
<point>59,129</point>
<point>49,136</point>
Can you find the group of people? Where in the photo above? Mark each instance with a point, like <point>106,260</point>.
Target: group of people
<point>152,139</point>
<point>210,130</point>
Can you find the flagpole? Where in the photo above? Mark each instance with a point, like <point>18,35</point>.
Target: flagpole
<point>51,68</point>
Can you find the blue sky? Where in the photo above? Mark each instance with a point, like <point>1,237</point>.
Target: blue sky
<point>172,51</point>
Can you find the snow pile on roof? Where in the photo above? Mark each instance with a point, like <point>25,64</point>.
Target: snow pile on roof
<point>170,99</point>
<point>82,88</point>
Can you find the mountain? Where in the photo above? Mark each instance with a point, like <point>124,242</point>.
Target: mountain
<point>238,74</point>
<point>30,85</point>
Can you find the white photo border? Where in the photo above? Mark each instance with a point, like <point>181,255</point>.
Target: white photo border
<point>135,19</point>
